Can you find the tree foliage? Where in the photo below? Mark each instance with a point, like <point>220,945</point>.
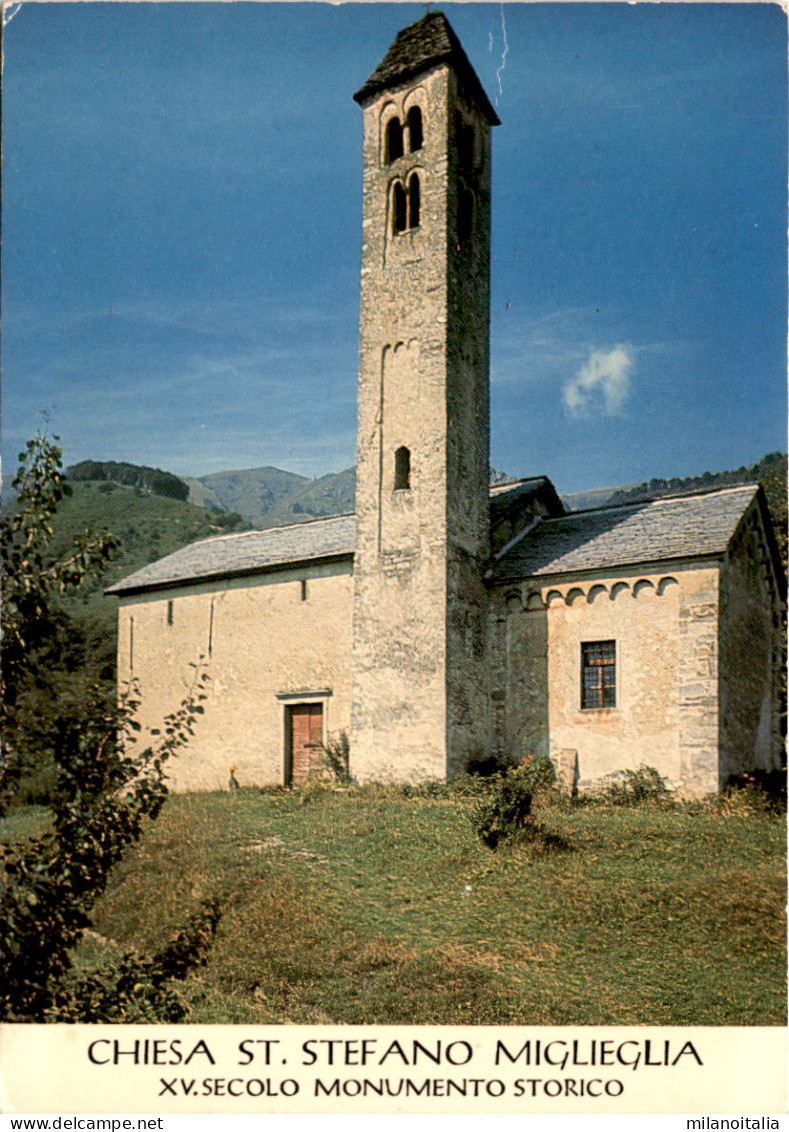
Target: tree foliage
<point>43,656</point>
<point>152,480</point>
<point>105,786</point>
<point>31,576</point>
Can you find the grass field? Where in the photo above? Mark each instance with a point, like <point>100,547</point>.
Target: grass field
<point>373,906</point>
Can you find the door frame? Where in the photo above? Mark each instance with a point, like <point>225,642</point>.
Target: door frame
<point>289,700</point>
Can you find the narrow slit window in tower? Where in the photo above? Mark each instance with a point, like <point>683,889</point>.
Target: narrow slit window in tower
<point>415,135</point>
<point>398,207</point>
<point>414,201</point>
<point>394,141</point>
<point>402,474</point>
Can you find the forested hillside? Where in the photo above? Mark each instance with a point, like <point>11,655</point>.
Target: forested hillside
<point>151,480</point>
<point>148,525</point>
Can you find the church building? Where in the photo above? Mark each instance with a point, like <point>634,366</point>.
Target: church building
<point>447,620</point>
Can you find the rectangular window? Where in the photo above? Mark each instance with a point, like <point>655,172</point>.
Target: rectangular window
<point>598,674</point>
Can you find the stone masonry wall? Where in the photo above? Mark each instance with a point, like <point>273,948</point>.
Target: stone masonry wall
<point>260,641</point>
<point>750,654</point>
<point>418,566</point>
<point>698,689</point>
<point>468,432</point>
<point>661,622</point>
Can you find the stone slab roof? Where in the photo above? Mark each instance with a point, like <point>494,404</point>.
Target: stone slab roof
<point>251,552</point>
<point>418,48</point>
<point>688,526</point>
<point>247,553</point>
<point>504,495</point>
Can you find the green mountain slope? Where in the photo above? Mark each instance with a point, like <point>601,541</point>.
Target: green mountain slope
<point>270,497</point>
<point>333,494</point>
<point>253,493</point>
<point>149,527</point>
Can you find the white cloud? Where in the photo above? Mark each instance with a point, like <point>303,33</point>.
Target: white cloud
<point>602,384</point>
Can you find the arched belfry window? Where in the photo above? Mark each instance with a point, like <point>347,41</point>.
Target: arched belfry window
<point>402,469</point>
<point>406,204</point>
<point>415,134</point>
<point>393,146</point>
<point>399,209</point>
<point>414,200</point>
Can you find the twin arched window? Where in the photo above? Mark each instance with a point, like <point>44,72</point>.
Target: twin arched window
<point>395,135</point>
<point>393,147</point>
<point>414,124</point>
<point>406,204</point>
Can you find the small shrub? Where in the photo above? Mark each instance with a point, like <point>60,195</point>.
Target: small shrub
<point>744,797</point>
<point>133,988</point>
<point>634,787</point>
<point>505,812</point>
<point>481,764</point>
<point>337,753</point>
<point>759,790</point>
<point>313,789</point>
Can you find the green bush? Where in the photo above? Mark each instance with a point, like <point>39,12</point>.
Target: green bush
<point>101,789</point>
<point>744,797</point>
<point>133,988</point>
<point>483,765</point>
<point>337,753</point>
<point>505,812</point>
<point>643,786</point>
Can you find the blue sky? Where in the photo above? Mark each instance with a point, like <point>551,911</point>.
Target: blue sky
<point>181,232</point>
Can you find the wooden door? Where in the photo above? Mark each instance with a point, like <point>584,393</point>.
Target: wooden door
<point>305,741</point>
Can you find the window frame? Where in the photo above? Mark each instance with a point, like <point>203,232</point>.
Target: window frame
<point>399,208</point>
<point>599,657</point>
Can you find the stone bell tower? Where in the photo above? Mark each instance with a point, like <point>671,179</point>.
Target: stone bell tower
<point>420,697</point>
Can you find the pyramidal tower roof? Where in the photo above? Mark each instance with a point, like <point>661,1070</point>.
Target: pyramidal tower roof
<point>418,48</point>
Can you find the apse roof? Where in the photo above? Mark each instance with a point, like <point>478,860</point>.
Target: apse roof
<point>686,526</point>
